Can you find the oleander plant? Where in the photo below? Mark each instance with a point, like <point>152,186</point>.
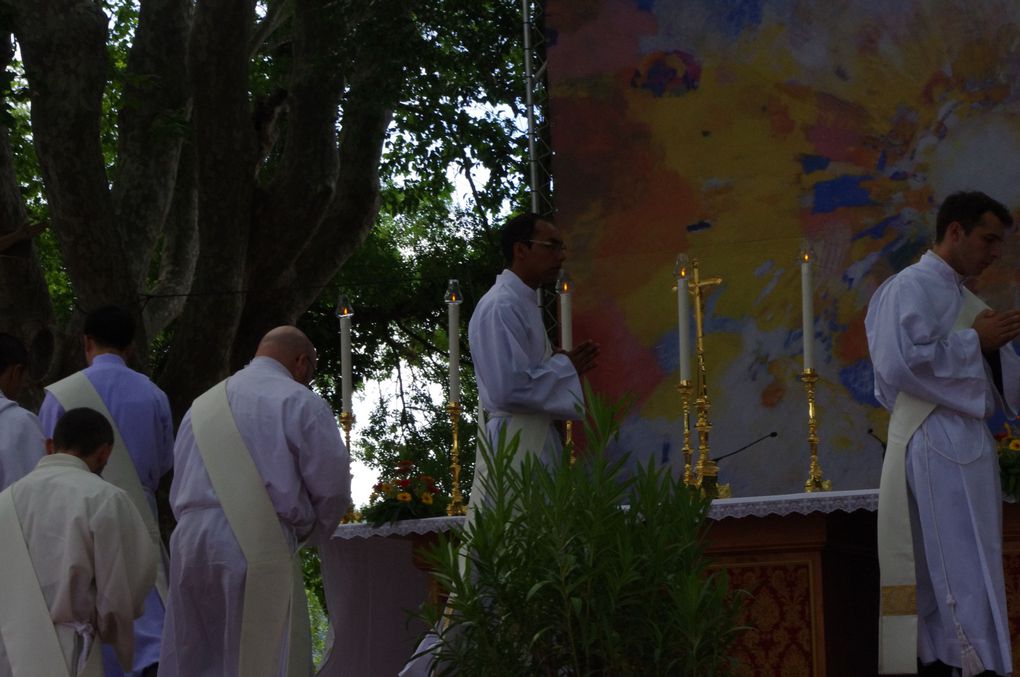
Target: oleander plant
<point>583,569</point>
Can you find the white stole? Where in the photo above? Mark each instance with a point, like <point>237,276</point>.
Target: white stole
<point>77,391</point>
<point>30,638</point>
<point>274,595</point>
<point>897,641</point>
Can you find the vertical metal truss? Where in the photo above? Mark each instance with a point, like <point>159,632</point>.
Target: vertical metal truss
<point>539,146</point>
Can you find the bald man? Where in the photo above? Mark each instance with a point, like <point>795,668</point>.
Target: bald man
<point>260,469</point>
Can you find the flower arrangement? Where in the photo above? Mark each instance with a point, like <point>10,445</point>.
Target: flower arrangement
<point>409,494</point>
<point>1009,462</point>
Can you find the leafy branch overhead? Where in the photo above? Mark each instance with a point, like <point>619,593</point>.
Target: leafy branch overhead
<point>213,166</point>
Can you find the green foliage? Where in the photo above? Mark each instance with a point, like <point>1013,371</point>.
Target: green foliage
<point>575,570</point>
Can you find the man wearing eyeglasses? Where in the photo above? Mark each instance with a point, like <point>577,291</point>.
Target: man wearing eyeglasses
<point>524,385</point>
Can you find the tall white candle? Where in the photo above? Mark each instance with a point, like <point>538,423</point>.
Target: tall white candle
<point>565,289</point>
<point>345,361</point>
<point>453,300</point>
<point>683,311</point>
<point>807,306</point>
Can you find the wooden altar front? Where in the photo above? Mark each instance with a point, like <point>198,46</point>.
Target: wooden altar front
<point>808,560</point>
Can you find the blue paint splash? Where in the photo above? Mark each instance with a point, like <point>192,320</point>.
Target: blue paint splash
<point>843,191</point>
<point>813,163</point>
<point>859,379</point>
<point>700,225</point>
<point>732,17</point>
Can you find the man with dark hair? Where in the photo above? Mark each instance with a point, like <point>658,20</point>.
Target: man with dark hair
<point>943,364</point>
<point>140,415</point>
<point>22,442</point>
<point>260,470</point>
<point>77,560</point>
<point>524,384</point>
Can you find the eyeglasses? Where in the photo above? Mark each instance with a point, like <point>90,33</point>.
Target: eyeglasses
<point>555,245</point>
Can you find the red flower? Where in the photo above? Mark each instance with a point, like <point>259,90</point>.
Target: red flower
<point>377,487</point>
<point>427,479</point>
<point>433,489</point>
<point>403,484</point>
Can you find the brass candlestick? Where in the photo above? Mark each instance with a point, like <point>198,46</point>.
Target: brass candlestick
<point>456,506</point>
<point>346,421</point>
<point>568,441</point>
<point>708,471</point>
<point>814,481</point>
<point>685,389</point>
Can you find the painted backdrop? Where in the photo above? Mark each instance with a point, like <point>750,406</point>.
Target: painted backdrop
<point>732,130</point>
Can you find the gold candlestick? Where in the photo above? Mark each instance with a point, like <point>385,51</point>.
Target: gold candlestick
<point>568,441</point>
<point>346,421</point>
<point>685,389</point>
<point>814,481</point>
<point>456,506</point>
<point>708,471</point>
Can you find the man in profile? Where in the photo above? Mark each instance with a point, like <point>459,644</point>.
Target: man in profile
<point>260,469</point>
<point>523,384</point>
<point>77,560</point>
<point>143,452</point>
<point>22,443</point>
<point>943,364</point>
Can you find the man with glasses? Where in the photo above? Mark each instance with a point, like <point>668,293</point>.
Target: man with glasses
<point>523,384</point>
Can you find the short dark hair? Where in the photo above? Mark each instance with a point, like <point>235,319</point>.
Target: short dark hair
<point>520,228</point>
<point>110,327</point>
<point>81,432</point>
<point>12,352</point>
<point>967,208</point>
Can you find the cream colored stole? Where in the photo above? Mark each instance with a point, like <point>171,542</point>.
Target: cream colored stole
<point>274,595</point>
<point>897,642</point>
<point>30,638</point>
<point>77,391</point>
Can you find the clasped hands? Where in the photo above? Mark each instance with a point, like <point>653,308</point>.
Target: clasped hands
<point>996,328</point>
<point>583,356</point>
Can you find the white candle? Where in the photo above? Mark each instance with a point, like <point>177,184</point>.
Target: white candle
<point>453,300</point>
<point>807,307</point>
<point>683,317</point>
<point>565,288</point>
<point>345,361</point>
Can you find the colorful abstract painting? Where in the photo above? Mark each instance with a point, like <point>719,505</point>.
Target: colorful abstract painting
<point>734,129</point>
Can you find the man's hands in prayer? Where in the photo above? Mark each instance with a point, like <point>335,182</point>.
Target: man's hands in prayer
<point>996,329</point>
<point>583,356</point>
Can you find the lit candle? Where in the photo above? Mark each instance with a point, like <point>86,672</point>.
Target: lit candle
<point>453,300</point>
<point>807,305</point>
<point>344,311</point>
<point>684,316</point>
<point>565,288</point>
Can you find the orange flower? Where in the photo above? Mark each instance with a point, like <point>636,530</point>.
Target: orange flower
<point>1014,445</point>
<point>404,497</point>
<point>426,498</point>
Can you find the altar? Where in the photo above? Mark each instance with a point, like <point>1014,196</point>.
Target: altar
<point>808,560</point>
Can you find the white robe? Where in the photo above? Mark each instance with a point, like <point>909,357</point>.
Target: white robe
<point>295,443</point>
<point>951,464</point>
<point>516,372</point>
<point>22,443</point>
<point>92,554</point>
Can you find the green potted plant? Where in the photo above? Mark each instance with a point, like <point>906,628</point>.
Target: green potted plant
<point>582,570</point>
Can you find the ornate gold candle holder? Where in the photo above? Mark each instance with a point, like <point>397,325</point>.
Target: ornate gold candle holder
<point>814,481</point>
<point>708,471</point>
<point>346,421</point>
<point>568,441</point>
<point>686,388</point>
<point>456,506</point>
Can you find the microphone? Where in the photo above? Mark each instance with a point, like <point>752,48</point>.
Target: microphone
<point>747,446</point>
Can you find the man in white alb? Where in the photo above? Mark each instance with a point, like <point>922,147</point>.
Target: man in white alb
<point>943,364</point>
<point>22,442</point>
<point>523,384</point>
<point>77,559</point>
<point>259,468</point>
